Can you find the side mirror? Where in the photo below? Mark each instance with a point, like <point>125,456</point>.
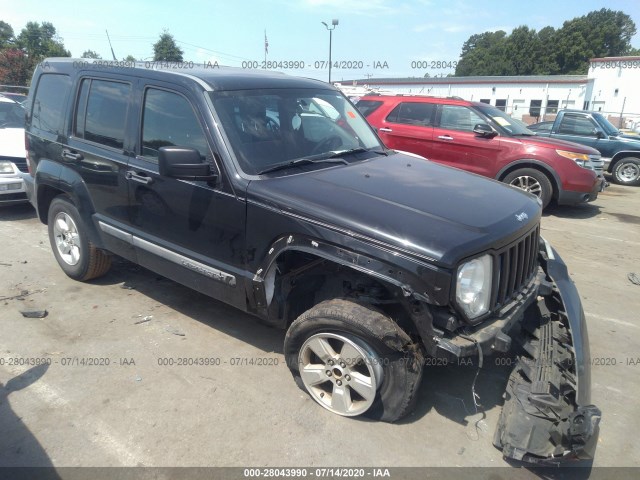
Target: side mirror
<point>598,133</point>
<point>184,163</point>
<point>484,130</point>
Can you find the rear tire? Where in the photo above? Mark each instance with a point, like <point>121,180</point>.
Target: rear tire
<point>354,360</point>
<point>532,181</point>
<point>77,256</point>
<point>627,171</point>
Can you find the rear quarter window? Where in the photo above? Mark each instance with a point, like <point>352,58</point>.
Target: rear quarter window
<point>47,112</point>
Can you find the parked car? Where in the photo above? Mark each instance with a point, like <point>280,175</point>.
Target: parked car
<point>233,183</point>
<point>12,153</point>
<point>620,152</point>
<point>481,139</point>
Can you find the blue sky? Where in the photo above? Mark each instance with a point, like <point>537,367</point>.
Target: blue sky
<point>373,32</point>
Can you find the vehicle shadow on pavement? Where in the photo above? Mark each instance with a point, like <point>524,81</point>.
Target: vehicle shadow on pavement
<point>585,210</point>
<point>193,304</point>
<point>455,399</point>
<point>18,446</point>
<point>17,212</point>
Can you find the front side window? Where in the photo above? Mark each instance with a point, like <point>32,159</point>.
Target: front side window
<point>101,112</point>
<point>48,106</point>
<point>455,117</point>
<point>270,127</point>
<point>169,120</point>
<point>504,122</point>
<point>577,125</point>
<point>413,113</point>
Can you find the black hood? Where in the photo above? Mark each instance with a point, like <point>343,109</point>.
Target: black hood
<point>430,210</point>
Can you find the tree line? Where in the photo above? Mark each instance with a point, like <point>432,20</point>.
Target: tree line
<point>567,50</point>
<point>19,54</point>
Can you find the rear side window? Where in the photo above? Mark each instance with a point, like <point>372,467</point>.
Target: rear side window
<point>367,107</point>
<point>169,120</point>
<point>48,105</point>
<point>413,113</point>
<point>102,112</point>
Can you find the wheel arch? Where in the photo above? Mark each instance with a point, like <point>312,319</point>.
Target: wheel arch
<point>550,173</point>
<point>275,303</point>
<point>620,155</point>
<point>52,180</point>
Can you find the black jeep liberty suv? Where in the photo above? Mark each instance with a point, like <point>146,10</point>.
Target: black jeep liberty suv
<point>272,193</point>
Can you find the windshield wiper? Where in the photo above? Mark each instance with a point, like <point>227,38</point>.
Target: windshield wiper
<point>302,161</point>
<point>340,153</point>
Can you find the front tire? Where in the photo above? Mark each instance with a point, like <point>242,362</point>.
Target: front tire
<point>76,255</point>
<point>627,171</point>
<point>532,181</point>
<point>353,360</point>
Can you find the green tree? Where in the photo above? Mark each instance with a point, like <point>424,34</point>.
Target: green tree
<point>166,49</point>
<point>40,41</point>
<point>6,35</point>
<point>91,54</point>
<point>130,58</point>
<point>483,54</point>
<point>601,33</point>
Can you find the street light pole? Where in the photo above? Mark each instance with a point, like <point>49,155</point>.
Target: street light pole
<point>334,23</point>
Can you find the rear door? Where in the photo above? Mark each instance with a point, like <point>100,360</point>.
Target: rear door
<point>455,144</point>
<point>409,127</point>
<point>190,231</point>
<point>99,148</point>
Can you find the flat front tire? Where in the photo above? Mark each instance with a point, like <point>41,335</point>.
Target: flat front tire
<point>76,255</point>
<point>353,360</point>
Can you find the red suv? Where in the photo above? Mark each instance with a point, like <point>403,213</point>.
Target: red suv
<point>484,140</point>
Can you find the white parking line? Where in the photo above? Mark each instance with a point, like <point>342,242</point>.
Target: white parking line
<point>612,320</point>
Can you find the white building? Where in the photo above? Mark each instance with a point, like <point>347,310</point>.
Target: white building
<point>608,87</point>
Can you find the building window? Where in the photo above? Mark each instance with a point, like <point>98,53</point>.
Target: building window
<point>501,104</point>
<point>552,106</point>
<point>534,108</point>
<point>486,100</point>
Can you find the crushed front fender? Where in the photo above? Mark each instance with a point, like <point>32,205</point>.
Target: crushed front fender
<point>547,416</point>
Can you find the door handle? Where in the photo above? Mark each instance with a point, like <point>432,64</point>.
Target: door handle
<point>445,137</point>
<point>131,175</point>
<point>384,129</point>
<point>69,155</point>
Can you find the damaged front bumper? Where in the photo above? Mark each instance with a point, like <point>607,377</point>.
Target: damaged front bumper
<point>547,416</point>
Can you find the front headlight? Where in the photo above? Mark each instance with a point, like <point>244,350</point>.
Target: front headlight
<point>6,167</point>
<point>473,286</point>
<point>582,159</point>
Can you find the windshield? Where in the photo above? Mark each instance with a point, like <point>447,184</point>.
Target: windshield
<point>607,126</point>
<point>504,121</point>
<point>11,115</point>
<point>271,126</point>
